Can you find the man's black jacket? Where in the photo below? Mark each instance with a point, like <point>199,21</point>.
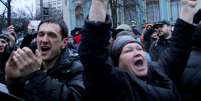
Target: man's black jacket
<point>64,82</point>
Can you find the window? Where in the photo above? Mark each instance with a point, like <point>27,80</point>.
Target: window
<point>153,11</point>
<point>175,8</point>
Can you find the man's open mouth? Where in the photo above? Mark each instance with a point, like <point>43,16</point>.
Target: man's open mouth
<point>45,48</point>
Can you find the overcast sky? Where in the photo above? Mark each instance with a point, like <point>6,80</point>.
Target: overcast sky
<point>20,4</point>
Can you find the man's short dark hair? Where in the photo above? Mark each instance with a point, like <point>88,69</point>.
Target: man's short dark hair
<point>61,23</point>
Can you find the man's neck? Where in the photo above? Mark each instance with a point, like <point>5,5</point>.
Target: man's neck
<point>49,64</point>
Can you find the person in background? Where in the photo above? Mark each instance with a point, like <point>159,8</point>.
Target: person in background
<point>7,45</point>
<point>76,36</point>
<point>134,29</point>
<point>4,54</point>
<point>4,42</point>
<point>162,39</point>
<point>122,27</point>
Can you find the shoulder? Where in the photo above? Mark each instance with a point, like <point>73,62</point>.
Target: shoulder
<point>77,65</point>
<point>155,68</point>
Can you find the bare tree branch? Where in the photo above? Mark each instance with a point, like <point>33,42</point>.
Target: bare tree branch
<point>4,3</point>
<point>30,10</point>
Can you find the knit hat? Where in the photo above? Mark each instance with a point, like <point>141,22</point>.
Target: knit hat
<point>5,37</point>
<point>118,45</point>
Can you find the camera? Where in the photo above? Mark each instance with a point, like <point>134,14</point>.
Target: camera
<point>18,28</point>
<point>27,42</point>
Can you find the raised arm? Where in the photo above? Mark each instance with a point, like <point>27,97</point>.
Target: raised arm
<point>98,10</point>
<point>188,10</point>
<point>94,52</point>
<point>95,39</point>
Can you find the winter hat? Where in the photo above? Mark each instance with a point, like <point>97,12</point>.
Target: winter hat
<point>124,27</point>
<point>160,24</point>
<point>5,37</point>
<point>118,45</point>
<point>122,33</point>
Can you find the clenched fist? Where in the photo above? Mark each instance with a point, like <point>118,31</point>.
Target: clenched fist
<point>98,10</point>
<point>188,10</point>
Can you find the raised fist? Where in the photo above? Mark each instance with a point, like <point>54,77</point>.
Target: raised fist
<point>98,10</point>
<point>188,10</point>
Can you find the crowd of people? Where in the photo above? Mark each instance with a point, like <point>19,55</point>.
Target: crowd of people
<point>101,63</point>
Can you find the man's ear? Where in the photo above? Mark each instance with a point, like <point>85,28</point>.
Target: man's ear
<point>65,42</point>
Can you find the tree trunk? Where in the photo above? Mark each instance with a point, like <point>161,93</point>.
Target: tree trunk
<point>113,5</point>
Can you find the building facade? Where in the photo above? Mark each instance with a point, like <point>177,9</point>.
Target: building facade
<point>138,12</point>
<point>75,12</point>
<point>156,10</point>
<point>49,8</point>
<point>130,11</point>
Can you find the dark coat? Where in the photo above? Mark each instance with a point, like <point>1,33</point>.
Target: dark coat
<point>157,47</point>
<point>64,82</point>
<point>190,87</point>
<point>107,83</point>
<point>3,59</point>
<point>148,40</point>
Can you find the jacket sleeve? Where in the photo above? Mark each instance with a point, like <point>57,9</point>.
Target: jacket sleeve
<point>100,79</point>
<point>93,49</point>
<point>174,58</point>
<point>39,86</point>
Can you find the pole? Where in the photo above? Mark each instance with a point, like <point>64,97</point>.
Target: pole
<point>9,13</point>
<point>145,10</point>
<point>41,9</point>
